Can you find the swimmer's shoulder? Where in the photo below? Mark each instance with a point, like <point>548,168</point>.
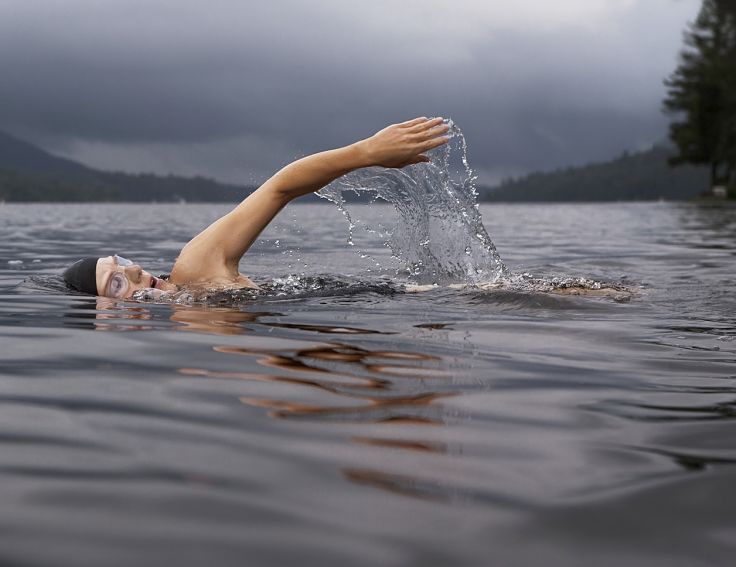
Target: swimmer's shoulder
<point>217,283</point>
<point>194,270</point>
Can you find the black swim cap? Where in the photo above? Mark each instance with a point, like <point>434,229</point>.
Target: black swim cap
<point>82,275</point>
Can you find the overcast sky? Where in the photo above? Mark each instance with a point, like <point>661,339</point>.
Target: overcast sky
<point>234,89</point>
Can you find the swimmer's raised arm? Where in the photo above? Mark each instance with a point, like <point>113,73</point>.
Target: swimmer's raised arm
<point>216,251</point>
<point>397,145</point>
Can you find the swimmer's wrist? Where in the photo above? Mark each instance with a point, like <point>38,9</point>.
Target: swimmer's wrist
<point>362,154</point>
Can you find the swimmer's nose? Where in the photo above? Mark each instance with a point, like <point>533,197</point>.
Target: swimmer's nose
<point>134,273</point>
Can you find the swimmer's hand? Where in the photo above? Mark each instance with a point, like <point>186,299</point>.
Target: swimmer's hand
<point>404,144</point>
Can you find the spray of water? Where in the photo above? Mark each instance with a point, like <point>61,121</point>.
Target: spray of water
<point>439,235</point>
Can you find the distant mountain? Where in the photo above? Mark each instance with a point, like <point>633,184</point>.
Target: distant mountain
<point>643,176</point>
<point>28,173</point>
<point>18,155</point>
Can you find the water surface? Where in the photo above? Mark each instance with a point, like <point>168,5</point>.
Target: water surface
<point>344,421</point>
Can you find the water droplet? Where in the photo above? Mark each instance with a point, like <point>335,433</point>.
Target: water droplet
<point>468,250</point>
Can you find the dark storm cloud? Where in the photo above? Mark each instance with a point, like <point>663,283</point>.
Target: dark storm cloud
<point>230,88</point>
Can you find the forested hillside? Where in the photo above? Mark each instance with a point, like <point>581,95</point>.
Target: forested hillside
<point>631,177</point>
<point>28,173</point>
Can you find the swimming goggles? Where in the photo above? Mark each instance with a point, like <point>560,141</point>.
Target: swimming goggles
<point>117,285</point>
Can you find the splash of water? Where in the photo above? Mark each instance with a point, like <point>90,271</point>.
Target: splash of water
<point>439,235</point>
<point>280,288</point>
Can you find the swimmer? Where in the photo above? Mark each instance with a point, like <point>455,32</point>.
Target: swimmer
<point>210,260</point>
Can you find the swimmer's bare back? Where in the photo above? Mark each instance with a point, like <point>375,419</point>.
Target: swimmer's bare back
<point>616,292</point>
<point>212,258</point>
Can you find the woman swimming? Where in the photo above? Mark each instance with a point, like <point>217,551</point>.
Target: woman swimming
<point>210,259</point>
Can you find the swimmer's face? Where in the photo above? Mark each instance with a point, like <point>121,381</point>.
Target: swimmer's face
<point>120,278</point>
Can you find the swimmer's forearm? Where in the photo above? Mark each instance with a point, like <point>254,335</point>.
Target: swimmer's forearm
<point>397,145</point>
<point>311,173</point>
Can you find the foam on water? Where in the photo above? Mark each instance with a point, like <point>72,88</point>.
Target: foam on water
<point>438,233</point>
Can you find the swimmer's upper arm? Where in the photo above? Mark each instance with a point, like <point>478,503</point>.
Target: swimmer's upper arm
<point>229,238</point>
<point>216,251</point>
<point>236,232</point>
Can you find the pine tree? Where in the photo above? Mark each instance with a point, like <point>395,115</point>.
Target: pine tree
<point>701,93</point>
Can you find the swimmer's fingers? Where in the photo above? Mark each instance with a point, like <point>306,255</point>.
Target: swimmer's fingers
<point>413,122</point>
<point>433,143</point>
<point>425,125</point>
<point>430,133</point>
<point>421,158</point>
<point>399,145</point>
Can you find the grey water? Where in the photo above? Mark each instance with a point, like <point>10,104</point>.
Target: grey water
<point>339,419</point>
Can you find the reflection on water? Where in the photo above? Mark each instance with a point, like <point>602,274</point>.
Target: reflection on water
<point>394,483</point>
<point>342,384</point>
<point>403,444</point>
<point>360,384</point>
<point>362,389</point>
<point>214,320</point>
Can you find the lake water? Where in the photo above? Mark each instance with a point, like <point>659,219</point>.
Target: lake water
<point>342,421</point>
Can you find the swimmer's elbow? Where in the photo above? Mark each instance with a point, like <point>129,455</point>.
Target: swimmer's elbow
<point>284,188</point>
<point>276,192</point>
<point>311,173</point>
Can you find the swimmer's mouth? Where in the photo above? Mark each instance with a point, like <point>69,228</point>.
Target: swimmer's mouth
<point>154,282</point>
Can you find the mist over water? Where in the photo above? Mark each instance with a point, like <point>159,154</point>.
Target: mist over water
<point>437,231</point>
